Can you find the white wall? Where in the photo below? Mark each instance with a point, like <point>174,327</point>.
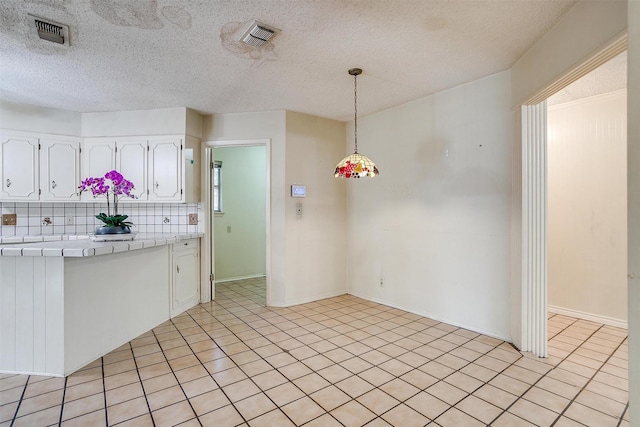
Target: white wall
<point>240,233</point>
<point>39,119</point>
<point>300,151</point>
<point>587,202</point>
<point>435,224</point>
<point>270,125</point>
<point>164,121</point>
<point>633,182</point>
<point>315,241</point>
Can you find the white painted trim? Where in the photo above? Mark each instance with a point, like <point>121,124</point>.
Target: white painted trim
<point>206,294</point>
<point>231,279</point>
<point>41,374</point>
<point>610,321</point>
<point>534,229</point>
<point>310,299</point>
<point>613,47</point>
<point>207,249</point>
<point>432,317</point>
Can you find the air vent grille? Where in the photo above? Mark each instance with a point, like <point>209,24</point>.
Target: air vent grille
<point>50,31</point>
<point>258,34</point>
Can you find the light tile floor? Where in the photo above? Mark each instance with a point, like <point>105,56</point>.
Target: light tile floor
<point>341,361</point>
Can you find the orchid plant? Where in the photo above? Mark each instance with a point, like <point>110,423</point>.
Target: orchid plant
<point>113,186</point>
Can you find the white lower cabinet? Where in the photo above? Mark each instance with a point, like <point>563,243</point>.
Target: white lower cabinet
<point>185,284</point>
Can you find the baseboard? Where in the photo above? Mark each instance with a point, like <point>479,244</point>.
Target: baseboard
<point>436,318</point>
<point>610,321</point>
<point>306,300</point>
<point>231,279</point>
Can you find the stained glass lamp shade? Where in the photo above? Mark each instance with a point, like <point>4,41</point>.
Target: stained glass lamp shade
<point>355,165</point>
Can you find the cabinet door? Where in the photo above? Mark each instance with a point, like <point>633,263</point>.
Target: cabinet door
<point>165,170</point>
<point>59,170</point>
<point>185,292</point>
<point>131,162</point>
<point>19,163</point>
<point>98,158</point>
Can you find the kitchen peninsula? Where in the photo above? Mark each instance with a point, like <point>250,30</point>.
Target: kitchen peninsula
<point>67,302</point>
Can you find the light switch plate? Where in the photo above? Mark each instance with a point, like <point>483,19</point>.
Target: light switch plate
<point>9,219</point>
<point>193,219</point>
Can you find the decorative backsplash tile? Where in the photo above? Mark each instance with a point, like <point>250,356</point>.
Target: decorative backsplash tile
<point>78,218</point>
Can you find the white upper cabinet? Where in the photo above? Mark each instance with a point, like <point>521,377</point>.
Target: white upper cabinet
<point>153,164</point>
<point>19,167</point>
<point>59,169</point>
<point>98,158</point>
<point>165,170</point>
<point>131,162</point>
<point>41,167</point>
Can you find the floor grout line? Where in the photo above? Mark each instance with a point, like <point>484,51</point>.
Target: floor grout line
<point>104,390</point>
<point>13,420</point>
<point>64,393</point>
<point>146,399</point>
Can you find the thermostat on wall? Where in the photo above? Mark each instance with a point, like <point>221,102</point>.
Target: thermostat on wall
<point>298,191</point>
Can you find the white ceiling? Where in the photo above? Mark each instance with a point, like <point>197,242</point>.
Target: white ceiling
<point>610,76</point>
<point>145,54</point>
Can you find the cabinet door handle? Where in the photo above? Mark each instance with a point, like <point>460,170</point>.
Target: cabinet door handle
<point>53,184</point>
<point>178,268</point>
<point>157,185</point>
<point>8,183</point>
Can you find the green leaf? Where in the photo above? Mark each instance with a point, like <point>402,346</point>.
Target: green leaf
<point>114,220</point>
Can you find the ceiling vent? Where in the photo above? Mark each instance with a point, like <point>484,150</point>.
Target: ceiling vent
<point>258,34</point>
<point>50,31</point>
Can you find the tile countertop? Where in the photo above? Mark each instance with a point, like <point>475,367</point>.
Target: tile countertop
<point>82,246</point>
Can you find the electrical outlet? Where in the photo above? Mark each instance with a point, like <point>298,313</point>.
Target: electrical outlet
<point>70,220</point>
<point>9,219</point>
<point>382,282</point>
<point>228,229</point>
<point>193,219</point>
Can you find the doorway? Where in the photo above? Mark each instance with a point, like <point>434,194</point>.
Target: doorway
<point>529,226</point>
<point>237,194</point>
<point>587,197</point>
<point>587,217</point>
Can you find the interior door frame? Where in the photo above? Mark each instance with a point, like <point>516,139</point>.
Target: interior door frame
<point>207,245</point>
<point>529,294</point>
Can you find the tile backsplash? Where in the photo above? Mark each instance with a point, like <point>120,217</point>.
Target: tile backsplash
<point>79,218</point>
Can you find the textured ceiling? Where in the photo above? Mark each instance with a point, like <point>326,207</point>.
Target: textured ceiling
<point>145,54</point>
<point>609,77</point>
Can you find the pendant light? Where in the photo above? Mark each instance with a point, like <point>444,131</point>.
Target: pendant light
<point>355,165</point>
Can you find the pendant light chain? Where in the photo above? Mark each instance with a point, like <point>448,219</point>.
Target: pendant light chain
<point>355,109</point>
<point>355,165</point>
